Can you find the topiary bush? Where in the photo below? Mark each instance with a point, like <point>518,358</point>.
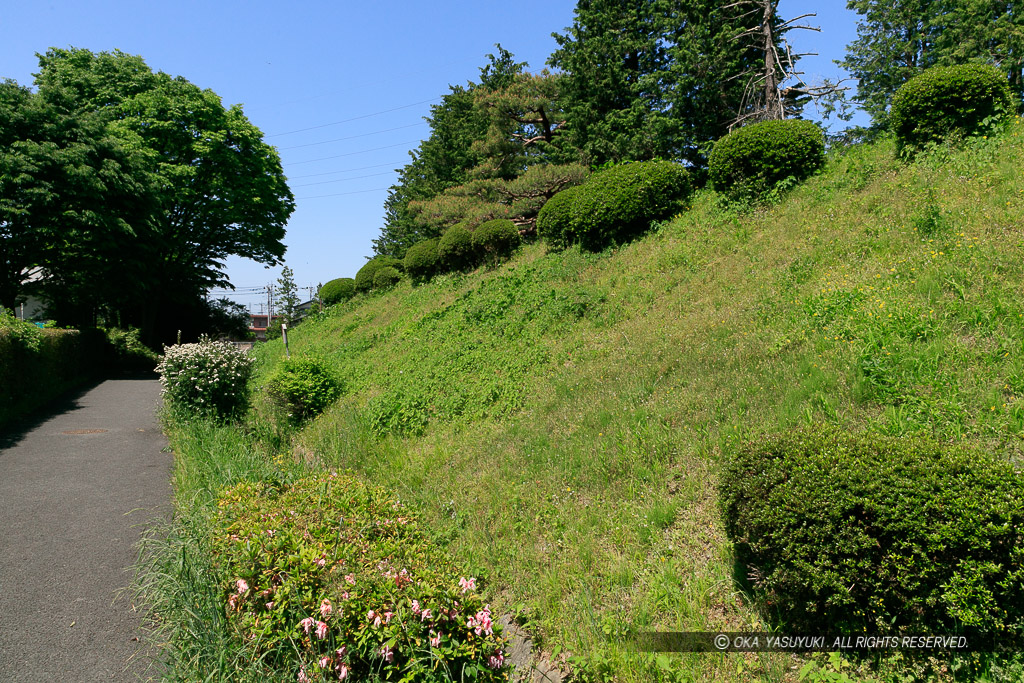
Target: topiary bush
<point>337,291</point>
<point>554,222</point>
<point>944,100</point>
<point>208,379</point>
<point>495,240</point>
<point>386,278</point>
<point>862,533</point>
<point>304,387</point>
<point>753,160</point>
<point>614,205</point>
<point>455,249</point>
<point>364,278</point>
<point>421,261</point>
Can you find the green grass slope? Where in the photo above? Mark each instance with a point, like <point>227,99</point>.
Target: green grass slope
<point>559,420</point>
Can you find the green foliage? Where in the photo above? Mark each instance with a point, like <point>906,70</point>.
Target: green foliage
<point>386,278</point>
<point>898,40</point>
<point>753,160</point>
<point>455,249</point>
<point>329,577</point>
<point>366,274</point>
<point>338,290</point>
<point>286,297</point>
<point>304,387</point>
<point>652,80</point>
<point>421,261</point>
<point>208,378</point>
<point>496,240</point>
<point>128,350</point>
<point>863,533</point>
<point>966,99</point>
<point>615,205</point>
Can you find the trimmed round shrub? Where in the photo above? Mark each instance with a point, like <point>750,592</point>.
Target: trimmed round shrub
<point>364,278</point>
<point>555,218</point>
<point>337,291</point>
<point>944,100</point>
<point>615,205</point>
<point>209,378</point>
<point>863,533</point>
<point>496,239</point>
<point>304,387</point>
<point>754,159</point>
<point>421,261</point>
<point>455,249</point>
<point>386,278</point>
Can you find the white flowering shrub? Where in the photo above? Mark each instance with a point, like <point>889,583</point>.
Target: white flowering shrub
<point>208,378</point>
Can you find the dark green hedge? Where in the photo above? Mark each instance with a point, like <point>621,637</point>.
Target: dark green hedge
<point>614,205</point>
<point>421,261</point>
<point>754,159</point>
<point>337,290</point>
<point>944,100</point>
<point>495,240</point>
<point>38,365</point>
<point>862,533</point>
<point>364,278</point>
<point>386,278</point>
<point>455,250</point>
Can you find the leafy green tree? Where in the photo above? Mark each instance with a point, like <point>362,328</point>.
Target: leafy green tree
<point>221,189</point>
<point>899,39</point>
<point>74,203</point>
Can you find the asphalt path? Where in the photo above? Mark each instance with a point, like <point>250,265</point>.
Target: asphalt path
<point>77,488</point>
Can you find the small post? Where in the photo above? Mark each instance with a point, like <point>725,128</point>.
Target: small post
<point>284,336</point>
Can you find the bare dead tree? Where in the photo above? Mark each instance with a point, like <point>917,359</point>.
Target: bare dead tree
<point>776,90</point>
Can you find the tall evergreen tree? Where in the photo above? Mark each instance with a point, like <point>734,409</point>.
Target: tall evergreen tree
<point>898,39</point>
<point>654,78</point>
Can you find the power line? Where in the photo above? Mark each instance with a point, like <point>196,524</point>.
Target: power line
<point>362,151</point>
<point>353,137</point>
<point>354,118</point>
<point>358,191</point>
<point>341,180</point>
<point>346,170</point>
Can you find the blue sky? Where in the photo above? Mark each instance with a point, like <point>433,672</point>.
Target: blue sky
<point>340,88</point>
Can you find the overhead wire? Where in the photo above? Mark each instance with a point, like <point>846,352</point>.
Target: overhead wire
<point>345,170</point>
<point>341,180</point>
<point>354,118</point>
<point>353,137</point>
<point>348,154</point>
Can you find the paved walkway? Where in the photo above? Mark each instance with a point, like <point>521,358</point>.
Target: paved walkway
<point>75,489</point>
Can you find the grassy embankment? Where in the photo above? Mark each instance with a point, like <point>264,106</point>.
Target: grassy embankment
<point>559,420</point>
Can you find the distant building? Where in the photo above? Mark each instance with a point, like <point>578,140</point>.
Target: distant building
<point>258,322</point>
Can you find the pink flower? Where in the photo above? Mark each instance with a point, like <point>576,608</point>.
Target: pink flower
<point>415,606</point>
<point>345,596</point>
<point>270,605</point>
<point>232,601</point>
<point>435,638</point>
<point>467,584</point>
<point>242,586</point>
<point>370,615</point>
<point>387,617</point>
<point>342,672</point>
<point>496,660</point>
<point>483,622</point>
<point>325,608</point>
<point>320,562</point>
<point>325,662</point>
<point>341,651</point>
<point>387,653</point>
<point>307,624</point>
<point>303,678</point>
<point>321,630</point>
<point>351,579</point>
<point>425,615</point>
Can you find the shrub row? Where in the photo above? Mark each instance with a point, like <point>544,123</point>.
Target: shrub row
<point>614,205</point>
<point>862,533</point>
<point>209,378</point>
<point>460,248</point>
